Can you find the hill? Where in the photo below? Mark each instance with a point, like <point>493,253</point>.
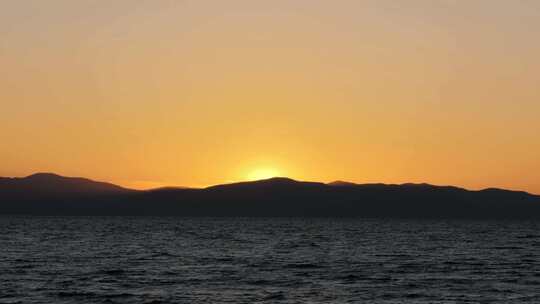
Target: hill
<point>49,185</point>
<point>48,194</point>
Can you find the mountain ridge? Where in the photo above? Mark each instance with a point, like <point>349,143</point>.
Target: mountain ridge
<point>52,194</point>
<point>51,184</point>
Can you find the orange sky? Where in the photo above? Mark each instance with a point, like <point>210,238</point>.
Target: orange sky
<point>194,92</point>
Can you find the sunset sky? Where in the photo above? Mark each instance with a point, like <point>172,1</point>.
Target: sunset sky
<point>147,93</point>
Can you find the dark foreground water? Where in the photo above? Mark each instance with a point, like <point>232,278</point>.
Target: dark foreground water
<point>179,260</point>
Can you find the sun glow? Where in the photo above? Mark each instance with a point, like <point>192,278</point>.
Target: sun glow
<point>262,173</point>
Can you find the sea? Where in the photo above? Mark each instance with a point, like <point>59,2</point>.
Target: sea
<point>267,260</point>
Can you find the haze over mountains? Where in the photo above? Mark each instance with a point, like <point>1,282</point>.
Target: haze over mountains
<point>51,194</point>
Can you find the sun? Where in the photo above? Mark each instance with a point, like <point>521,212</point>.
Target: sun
<point>262,173</point>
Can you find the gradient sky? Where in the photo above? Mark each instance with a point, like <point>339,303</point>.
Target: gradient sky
<point>148,93</point>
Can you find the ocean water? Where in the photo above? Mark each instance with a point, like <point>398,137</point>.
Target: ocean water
<point>232,260</point>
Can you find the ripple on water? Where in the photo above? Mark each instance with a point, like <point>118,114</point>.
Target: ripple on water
<point>183,260</point>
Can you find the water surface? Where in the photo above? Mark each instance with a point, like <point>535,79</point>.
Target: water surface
<point>194,260</point>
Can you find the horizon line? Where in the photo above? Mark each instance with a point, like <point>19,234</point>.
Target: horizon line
<point>268,179</point>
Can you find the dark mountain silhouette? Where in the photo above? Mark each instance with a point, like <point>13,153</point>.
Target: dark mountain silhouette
<point>49,185</point>
<point>49,194</point>
<point>342,184</point>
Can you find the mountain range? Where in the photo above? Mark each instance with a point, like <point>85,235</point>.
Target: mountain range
<point>51,194</point>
